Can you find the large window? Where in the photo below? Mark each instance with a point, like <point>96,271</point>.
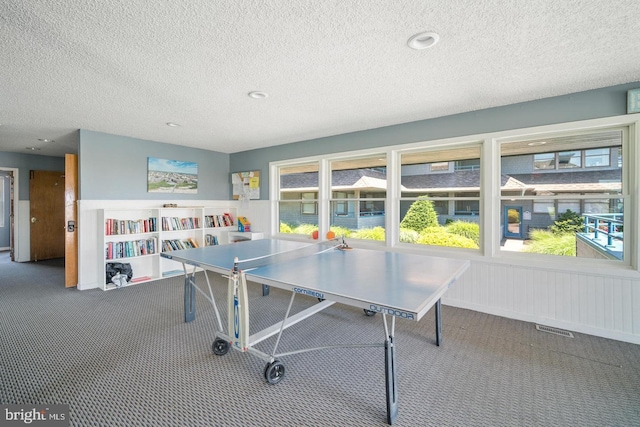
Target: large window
<point>358,196</point>
<point>579,212</point>
<point>441,209</point>
<point>298,199</point>
<point>559,196</point>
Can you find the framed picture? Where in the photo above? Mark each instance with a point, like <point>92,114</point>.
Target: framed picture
<point>172,176</point>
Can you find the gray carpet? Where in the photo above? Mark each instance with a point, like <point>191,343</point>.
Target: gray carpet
<point>126,358</point>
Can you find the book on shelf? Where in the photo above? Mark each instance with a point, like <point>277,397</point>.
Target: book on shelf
<point>132,248</point>
<point>210,240</point>
<point>140,279</point>
<point>117,226</point>
<point>178,245</point>
<point>223,220</point>
<point>175,223</point>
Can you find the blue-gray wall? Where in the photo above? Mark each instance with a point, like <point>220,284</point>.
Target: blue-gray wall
<point>26,163</point>
<point>113,167</point>
<point>606,102</point>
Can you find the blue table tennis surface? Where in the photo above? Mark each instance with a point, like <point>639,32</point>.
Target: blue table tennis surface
<point>410,284</point>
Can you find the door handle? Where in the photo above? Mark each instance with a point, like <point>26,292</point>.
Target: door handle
<point>33,220</point>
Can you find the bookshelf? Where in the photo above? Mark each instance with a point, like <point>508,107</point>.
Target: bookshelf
<point>138,236</point>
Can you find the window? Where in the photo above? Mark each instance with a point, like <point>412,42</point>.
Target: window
<point>342,207</point>
<point>544,161</point>
<point>597,157</point>
<point>569,159</point>
<point>298,198</point>
<point>571,188</point>
<point>439,167</point>
<point>309,205</point>
<point>471,164</point>
<point>567,208</point>
<point>358,194</point>
<point>441,209</point>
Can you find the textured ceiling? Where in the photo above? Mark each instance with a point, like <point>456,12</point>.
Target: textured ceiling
<point>127,67</point>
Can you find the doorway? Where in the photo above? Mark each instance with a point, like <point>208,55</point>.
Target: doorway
<point>8,210</point>
<point>513,221</point>
<point>46,195</point>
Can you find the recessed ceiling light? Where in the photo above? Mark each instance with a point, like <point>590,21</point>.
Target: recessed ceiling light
<point>173,125</point>
<point>45,140</point>
<point>423,40</point>
<point>258,95</point>
<point>33,148</point>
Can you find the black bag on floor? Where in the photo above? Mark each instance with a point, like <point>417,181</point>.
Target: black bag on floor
<point>119,270</point>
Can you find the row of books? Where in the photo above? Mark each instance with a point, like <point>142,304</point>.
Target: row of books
<point>173,223</point>
<point>210,239</point>
<point>225,220</point>
<point>178,244</point>
<point>128,226</point>
<point>115,250</point>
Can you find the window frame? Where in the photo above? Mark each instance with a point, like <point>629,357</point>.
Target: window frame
<point>491,197</point>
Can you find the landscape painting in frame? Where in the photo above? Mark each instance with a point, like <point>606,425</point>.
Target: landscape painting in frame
<point>172,176</point>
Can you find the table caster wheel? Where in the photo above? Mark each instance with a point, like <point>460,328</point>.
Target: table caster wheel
<point>220,347</point>
<point>274,372</point>
<point>369,312</point>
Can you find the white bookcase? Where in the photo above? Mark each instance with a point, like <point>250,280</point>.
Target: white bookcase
<point>138,236</point>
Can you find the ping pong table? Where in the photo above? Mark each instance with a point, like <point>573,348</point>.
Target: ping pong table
<point>396,285</point>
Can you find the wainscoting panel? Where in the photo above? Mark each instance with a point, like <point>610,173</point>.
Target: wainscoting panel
<point>593,304</point>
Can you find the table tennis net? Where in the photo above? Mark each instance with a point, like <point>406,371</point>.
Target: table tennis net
<point>278,257</point>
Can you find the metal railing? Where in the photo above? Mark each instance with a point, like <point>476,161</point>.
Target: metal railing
<point>608,224</point>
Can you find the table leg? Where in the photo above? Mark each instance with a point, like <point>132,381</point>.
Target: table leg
<point>438,323</point>
<point>189,297</point>
<point>391,379</point>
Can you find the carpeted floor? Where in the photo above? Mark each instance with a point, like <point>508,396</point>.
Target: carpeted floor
<point>126,358</point>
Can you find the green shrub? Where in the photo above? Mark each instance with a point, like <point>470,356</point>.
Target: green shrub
<point>420,215</point>
<point>341,231</point>
<point>568,222</point>
<point>438,236</point>
<point>285,228</point>
<point>408,236</point>
<point>375,233</point>
<point>470,230</point>
<point>550,243</point>
<point>513,216</point>
<point>306,229</point>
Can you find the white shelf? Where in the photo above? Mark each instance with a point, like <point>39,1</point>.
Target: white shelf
<point>151,267</point>
<point>236,236</point>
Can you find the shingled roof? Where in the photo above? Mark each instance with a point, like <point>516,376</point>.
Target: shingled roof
<point>465,180</point>
<point>343,179</point>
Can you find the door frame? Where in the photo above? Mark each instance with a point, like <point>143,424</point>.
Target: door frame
<point>16,191</point>
<point>71,214</point>
<point>506,231</point>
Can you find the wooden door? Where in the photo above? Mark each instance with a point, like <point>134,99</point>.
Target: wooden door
<point>71,220</point>
<point>46,197</point>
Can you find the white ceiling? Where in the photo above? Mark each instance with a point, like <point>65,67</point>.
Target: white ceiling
<point>127,67</point>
